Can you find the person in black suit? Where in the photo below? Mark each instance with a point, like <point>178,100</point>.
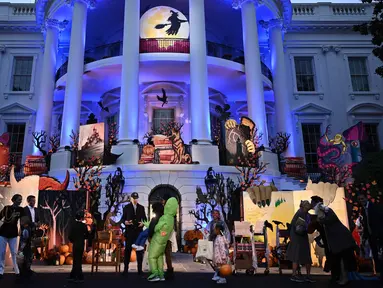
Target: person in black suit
<point>79,232</point>
<point>133,217</point>
<point>372,221</point>
<point>33,218</point>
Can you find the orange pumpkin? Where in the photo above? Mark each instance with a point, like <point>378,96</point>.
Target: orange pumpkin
<point>70,245</point>
<point>62,260</point>
<point>148,150</point>
<point>193,234</point>
<point>66,254</point>
<point>225,270</point>
<point>64,249</point>
<point>133,256</point>
<point>69,260</point>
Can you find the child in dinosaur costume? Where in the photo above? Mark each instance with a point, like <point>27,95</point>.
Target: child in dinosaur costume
<point>157,246</point>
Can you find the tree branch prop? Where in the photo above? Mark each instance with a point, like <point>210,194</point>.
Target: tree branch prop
<point>280,142</point>
<point>75,136</point>
<point>39,140</point>
<point>219,195</point>
<point>87,179</point>
<point>164,129</point>
<point>112,135</point>
<point>114,191</point>
<point>374,28</point>
<point>54,143</point>
<point>250,166</point>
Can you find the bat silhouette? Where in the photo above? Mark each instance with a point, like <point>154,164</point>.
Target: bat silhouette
<point>106,109</point>
<point>278,223</point>
<point>164,98</point>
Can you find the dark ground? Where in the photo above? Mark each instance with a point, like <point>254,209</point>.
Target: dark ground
<point>184,280</point>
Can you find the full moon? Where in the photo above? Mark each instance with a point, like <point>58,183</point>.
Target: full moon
<point>164,22</point>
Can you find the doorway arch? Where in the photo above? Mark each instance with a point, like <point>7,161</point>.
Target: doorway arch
<point>157,194</point>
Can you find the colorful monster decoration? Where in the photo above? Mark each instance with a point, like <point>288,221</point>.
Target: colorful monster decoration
<point>341,152</point>
<point>160,238</point>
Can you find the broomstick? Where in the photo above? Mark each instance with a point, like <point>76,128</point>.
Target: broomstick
<point>161,26</point>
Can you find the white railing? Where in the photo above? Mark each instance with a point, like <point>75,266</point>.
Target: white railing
<point>332,12</point>
<point>24,10</point>
<point>303,10</point>
<point>348,10</point>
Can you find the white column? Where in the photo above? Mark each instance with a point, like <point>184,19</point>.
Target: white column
<point>254,82</point>
<point>47,82</point>
<point>73,90</point>
<point>284,121</point>
<point>128,128</point>
<point>199,90</point>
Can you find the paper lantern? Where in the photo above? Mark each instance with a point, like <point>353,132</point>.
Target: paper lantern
<point>225,270</point>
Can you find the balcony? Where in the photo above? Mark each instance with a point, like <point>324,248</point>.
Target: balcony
<point>164,46</point>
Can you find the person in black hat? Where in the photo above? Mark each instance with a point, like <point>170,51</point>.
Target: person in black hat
<point>133,217</point>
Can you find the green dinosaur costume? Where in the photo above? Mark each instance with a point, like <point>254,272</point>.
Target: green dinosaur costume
<point>162,233</point>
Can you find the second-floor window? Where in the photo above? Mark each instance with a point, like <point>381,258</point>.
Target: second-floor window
<point>22,73</point>
<point>359,74</point>
<point>304,73</point>
<point>162,117</point>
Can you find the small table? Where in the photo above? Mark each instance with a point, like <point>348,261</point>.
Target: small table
<point>97,245</point>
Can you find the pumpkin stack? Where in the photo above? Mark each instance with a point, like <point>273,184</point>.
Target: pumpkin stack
<point>65,254</point>
<point>191,238</point>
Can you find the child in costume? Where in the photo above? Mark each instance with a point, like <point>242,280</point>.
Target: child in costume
<point>162,233</point>
<point>158,211</point>
<point>221,252</point>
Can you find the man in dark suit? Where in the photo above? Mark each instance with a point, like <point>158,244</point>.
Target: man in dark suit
<point>133,217</point>
<point>372,229</point>
<point>32,213</point>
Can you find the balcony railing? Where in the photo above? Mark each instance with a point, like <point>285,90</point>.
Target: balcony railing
<point>164,46</point>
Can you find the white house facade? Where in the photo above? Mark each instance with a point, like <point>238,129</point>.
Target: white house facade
<point>293,68</point>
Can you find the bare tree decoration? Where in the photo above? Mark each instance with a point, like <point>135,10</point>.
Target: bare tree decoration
<point>40,142</point>
<point>114,191</point>
<point>74,136</point>
<point>219,195</point>
<point>59,204</point>
<point>87,179</point>
<point>250,166</point>
<point>280,142</point>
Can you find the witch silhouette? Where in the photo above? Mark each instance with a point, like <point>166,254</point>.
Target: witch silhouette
<point>175,24</point>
